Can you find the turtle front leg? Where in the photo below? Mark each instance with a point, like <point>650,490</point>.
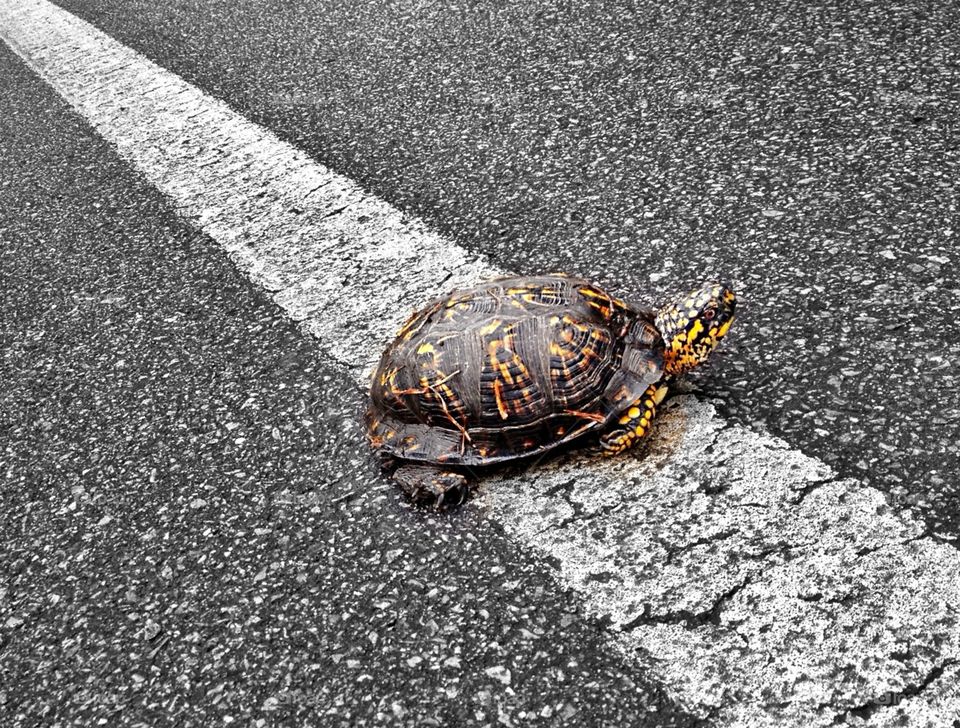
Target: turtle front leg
<point>428,485</point>
<point>634,423</point>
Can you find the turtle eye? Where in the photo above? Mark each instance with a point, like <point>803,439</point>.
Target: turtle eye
<point>708,314</point>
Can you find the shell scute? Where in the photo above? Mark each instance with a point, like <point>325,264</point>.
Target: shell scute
<point>509,369</point>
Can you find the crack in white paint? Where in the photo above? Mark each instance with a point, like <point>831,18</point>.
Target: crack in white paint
<point>761,589</point>
<point>836,600</point>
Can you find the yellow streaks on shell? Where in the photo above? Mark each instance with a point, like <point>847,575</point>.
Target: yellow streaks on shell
<point>490,327</point>
<point>498,395</point>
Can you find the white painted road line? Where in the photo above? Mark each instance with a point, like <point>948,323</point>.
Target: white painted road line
<point>757,586</point>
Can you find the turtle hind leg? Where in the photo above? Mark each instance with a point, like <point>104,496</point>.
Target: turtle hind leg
<point>435,486</point>
<point>634,423</point>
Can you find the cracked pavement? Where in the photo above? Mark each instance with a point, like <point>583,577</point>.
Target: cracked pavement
<point>754,584</point>
<point>752,575</point>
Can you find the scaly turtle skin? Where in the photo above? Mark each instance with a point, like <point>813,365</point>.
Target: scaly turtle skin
<point>518,366</point>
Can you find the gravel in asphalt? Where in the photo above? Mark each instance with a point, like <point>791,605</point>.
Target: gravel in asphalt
<point>809,153</point>
<point>192,529</point>
<point>710,551</point>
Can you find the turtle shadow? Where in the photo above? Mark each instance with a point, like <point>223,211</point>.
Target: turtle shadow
<point>586,455</point>
<point>583,455</point>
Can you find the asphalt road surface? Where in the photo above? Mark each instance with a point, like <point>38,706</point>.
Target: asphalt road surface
<point>807,155</point>
<point>192,530</point>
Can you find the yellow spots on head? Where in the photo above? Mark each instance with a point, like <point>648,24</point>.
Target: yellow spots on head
<point>633,413</point>
<point>698,321</point>
<point>694,330</point>
<point>639,431</point>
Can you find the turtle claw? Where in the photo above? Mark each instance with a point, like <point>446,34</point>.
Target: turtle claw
<point>430,486</point>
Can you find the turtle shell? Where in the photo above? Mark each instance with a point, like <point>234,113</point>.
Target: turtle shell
<point>509,369</point>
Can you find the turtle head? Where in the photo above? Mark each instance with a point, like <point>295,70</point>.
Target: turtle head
<point>692,325</point>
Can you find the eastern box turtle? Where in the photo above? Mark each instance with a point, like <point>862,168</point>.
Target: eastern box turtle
<point>517,366</point>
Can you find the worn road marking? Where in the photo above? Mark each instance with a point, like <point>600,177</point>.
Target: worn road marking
<point>763,590</point>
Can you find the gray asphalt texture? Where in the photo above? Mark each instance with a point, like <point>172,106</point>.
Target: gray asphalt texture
<point>810,154</point>
<point>192,530</point>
